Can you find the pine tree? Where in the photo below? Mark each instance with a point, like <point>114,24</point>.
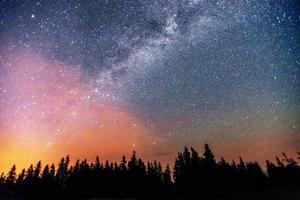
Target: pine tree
<point>167,176</point>
<point>29,175</point>
<point>280,163</point>
<point>2,179</point>
<point>11,177</point>
<point>123,164</point>
<point>21,176</point>
<point>242,167</point>
<point>141,167</point>
<point>107,168</point>
<point>209,157</point>
<point>178,169</point>
<point>46,173</point>
<point>195,159</point>
<point>159,171</point>
<point>270,168</point>
<point>52,171</point>
<point>116,168</point>
<point>62,170</point>
<point>20,182</point>
<point>37,170</point>
<point>255,172</point>
<point>186,156</point>
<point>132,164</point>
<point>97,164</point>
<point>76,167</point>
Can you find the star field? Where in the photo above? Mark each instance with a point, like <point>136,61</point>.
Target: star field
<point>109,76</point>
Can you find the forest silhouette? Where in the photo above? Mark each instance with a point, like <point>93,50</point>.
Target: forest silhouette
<point>193,176</point>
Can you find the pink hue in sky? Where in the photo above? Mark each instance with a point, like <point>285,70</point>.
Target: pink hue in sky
<point>48,111</point>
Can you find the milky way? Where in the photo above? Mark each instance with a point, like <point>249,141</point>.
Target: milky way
<point>106,77</point>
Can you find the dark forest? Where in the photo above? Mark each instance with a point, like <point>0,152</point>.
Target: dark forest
<point>193,176</point>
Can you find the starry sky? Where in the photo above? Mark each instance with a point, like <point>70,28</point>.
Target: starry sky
<point>111,76</point>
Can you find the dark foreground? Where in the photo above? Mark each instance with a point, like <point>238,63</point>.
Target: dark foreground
<point>194,176</point>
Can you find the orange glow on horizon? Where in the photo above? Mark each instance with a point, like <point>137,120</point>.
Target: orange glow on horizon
<point>62,119</point>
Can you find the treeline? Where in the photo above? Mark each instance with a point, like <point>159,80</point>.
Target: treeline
<point>192,175</point>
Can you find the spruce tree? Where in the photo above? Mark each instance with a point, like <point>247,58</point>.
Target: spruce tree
<point>11,177</point>
<point>167,176</point>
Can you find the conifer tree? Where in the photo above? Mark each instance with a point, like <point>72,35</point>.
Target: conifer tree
<point>52,171</point>
<point>178,169</point>
<point>97,165</point>
<point>46,173</point>
<point>29,175</point>
<point>37,170</point>
<point>11,177</point>
<point>21,176</point>
<point>132,163</point>
<point>209,157</point>
<point>167,176</point>
<point>123,164</point>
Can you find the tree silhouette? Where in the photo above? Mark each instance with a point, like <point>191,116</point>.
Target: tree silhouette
<point>123,164</point>
<point>167,179</point>
<point>194,175</point>
<point>11,179</point>
<point>37,170</point>
<point>178,172</point>
<point>62,170</point>
<point>21,177</point>
<point>209,157</point>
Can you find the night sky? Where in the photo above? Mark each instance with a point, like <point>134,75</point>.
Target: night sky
<point>110,76</point>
